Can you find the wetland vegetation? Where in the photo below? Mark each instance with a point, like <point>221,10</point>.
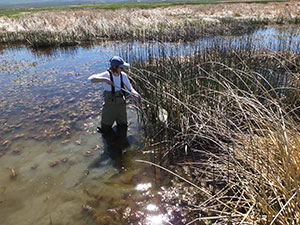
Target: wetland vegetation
<point>177,23</point>
<point>233,126</point>
<point>220,146</point>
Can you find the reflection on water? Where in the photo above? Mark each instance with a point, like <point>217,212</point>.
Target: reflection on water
<point>54,166</point>
<point>157,219</point>
<point>143,187</point>
<point>151,207</point>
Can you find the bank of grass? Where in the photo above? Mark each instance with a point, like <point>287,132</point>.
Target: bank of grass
<point>170,32</point>
<point>233,127</point>
<point>178,23</point>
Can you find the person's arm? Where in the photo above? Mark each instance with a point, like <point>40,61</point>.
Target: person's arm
<point>96,78</point>
<point>130,88</point>
<point>135,93</point>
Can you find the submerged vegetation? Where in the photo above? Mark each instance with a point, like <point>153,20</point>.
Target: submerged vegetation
<point>178,23</point>
<point>233,130</point>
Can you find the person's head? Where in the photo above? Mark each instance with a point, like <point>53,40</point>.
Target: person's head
<point>117,64</point>
<point>115,69</point>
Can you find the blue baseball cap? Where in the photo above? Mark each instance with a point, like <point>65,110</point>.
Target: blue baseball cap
<point>118,61</point>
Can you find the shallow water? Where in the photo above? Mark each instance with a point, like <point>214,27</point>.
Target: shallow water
<point>49,112</point>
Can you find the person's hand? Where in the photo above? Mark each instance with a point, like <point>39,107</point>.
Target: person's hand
<point>138,96</point>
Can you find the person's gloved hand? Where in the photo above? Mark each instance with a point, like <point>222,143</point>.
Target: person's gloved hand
<point>138,96</point>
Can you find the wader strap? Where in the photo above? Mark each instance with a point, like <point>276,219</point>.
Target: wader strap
<point>112,80</point>
<point>113,87</point>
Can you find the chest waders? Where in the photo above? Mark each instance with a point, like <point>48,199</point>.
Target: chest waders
<point>114,108</point>
<point>113,87</point>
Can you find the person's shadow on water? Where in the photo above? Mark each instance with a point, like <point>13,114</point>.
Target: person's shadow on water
<point>115,142</point>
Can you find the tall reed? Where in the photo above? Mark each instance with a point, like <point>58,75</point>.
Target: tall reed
<point>234,125</point>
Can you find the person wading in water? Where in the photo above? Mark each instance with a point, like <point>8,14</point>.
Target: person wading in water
<point>114,108</point>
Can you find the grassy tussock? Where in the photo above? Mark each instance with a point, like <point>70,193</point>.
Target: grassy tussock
<point>234,127</point>
<point>48,28</point>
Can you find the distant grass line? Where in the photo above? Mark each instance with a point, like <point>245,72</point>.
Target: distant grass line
<point>127,5</point>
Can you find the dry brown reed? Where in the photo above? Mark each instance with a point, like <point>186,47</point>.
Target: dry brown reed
<point>234,128</point>
<point>187,23</point>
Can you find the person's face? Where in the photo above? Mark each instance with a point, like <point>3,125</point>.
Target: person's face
<point>116,70</point>
<point>119,69</point>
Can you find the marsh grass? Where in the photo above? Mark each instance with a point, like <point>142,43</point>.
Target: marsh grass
<point>82,32</point>
<point>189,31</point>
<point>185,23</point>
<point>234,128</point>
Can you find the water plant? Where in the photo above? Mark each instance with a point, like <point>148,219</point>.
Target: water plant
<point>232,132</point>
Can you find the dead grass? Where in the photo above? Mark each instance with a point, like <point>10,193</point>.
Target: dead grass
<point>233,128</point>
<point>70,27</point>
